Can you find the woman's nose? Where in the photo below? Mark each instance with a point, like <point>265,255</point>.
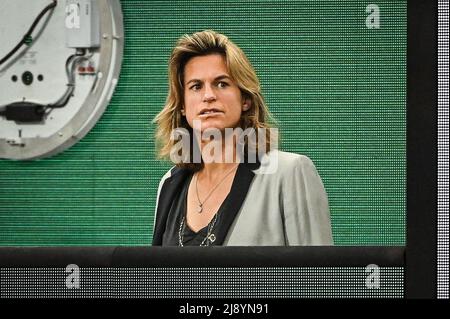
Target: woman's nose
<point>209,94</point>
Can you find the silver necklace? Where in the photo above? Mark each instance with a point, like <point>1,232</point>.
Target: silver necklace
<point>200,203</point>
<point>209,238</point>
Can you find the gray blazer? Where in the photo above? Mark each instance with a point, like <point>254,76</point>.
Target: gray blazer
<point>280,202</point>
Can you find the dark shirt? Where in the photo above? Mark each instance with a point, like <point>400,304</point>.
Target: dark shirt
<point>171,236</point>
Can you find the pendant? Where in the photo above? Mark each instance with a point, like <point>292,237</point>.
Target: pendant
<point>212,238</point>
<point>199,208</point>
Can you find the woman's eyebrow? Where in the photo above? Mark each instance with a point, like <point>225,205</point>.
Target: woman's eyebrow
<point>218,78</point>
<point>193,80</point>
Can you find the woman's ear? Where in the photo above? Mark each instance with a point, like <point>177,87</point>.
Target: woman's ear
<point>247,104</point>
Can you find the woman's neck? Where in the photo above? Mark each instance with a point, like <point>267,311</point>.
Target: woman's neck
<point>222,163</point>
<point>213,171</point>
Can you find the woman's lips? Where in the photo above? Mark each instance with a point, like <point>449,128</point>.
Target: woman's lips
<point>207,114</point>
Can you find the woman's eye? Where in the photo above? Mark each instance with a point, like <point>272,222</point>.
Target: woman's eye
<point>222,85</point>
<point>195,87</point>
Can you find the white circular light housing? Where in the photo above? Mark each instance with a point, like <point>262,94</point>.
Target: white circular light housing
<point>57,85</point>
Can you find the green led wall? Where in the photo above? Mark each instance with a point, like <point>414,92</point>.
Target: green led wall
<point>337,89</point>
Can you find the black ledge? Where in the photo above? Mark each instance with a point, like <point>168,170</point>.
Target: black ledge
<point>154,257</point>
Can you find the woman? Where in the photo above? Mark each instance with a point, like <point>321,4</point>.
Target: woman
<point>276,200</point>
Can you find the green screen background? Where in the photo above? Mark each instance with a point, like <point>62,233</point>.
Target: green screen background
<point>337,89</point>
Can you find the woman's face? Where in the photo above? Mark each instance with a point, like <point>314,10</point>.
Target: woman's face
<point>210,95</point>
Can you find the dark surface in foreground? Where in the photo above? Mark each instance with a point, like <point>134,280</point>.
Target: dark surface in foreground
<point>201,256</point>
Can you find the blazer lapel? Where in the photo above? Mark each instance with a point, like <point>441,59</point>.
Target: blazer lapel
<point>239,190</point>
<point>170,188</point>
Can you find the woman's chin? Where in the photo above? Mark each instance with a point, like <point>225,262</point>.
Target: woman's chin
<point>211,126</point>
<point>211,130</point>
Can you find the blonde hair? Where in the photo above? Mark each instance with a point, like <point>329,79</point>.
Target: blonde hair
<point>241,71</point>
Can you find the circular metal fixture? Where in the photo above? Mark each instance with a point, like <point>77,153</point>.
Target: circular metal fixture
<point>77,47</point>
